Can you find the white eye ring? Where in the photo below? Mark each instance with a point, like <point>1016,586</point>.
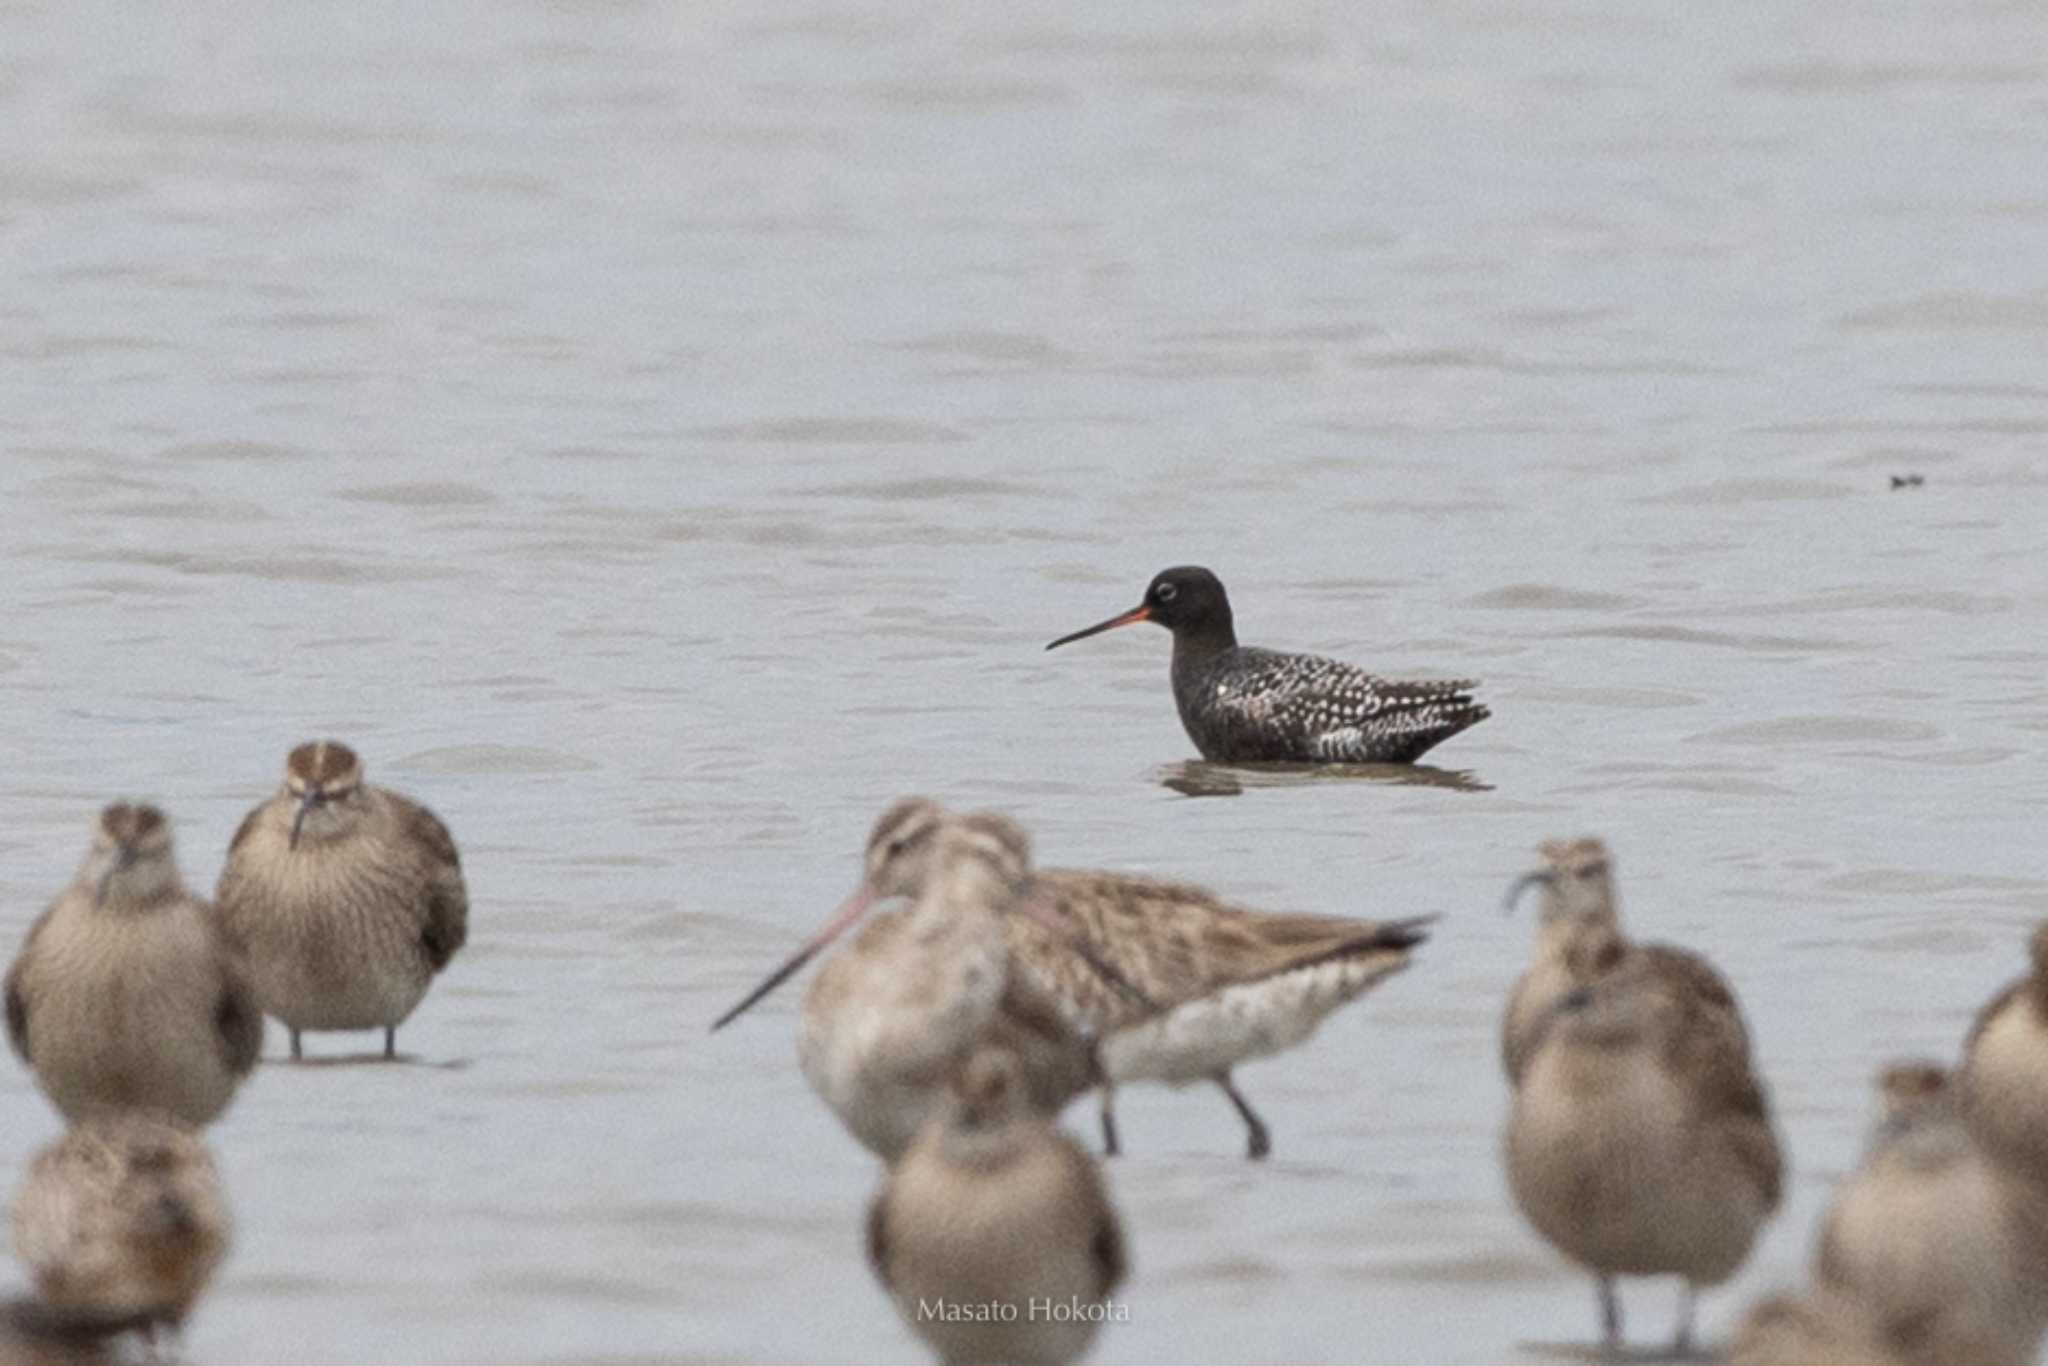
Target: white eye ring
<point>1166,592</point>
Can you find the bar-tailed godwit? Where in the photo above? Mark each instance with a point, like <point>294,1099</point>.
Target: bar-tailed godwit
<point>1200,985</point>
<point>887,1022</point>
<point>1176,984</point>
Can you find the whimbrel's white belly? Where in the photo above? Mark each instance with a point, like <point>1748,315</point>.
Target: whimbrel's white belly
<point>1196,1040</point>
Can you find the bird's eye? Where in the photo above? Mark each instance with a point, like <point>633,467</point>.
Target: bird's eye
<point>1166,592</point>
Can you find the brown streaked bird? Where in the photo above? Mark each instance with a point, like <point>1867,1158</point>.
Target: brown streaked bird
<point>1578,897</point>
<point>348,898</point>
<point>1815,1329</point>
<point>2004,1082</point>
<point>1639,1141</point>
<point>992,1217</point>
<point>125,995</point>
<point>1196,985</point>
<point>889,1021</point>
<point>1937,1242</point>
<point>122,1218</point>
<point>1176,984</point>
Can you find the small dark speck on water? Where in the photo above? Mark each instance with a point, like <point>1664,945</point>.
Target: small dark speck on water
<point>1908,481</point>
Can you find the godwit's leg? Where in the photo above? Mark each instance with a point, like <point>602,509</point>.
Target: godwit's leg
<point>295,1045</point>
<point>390,1043</point>
<point>1610,1313</point>
<point>1109,1143</point>
<point>1681,1345</point>
<point>1258,1141</point>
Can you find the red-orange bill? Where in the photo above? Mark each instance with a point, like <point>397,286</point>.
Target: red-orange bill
<point>1136,614</point>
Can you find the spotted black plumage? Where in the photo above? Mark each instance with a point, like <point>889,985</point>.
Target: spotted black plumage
<point>1242,704</point>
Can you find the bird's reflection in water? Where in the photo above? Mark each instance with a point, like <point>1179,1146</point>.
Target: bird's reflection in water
<point>1198,778</point>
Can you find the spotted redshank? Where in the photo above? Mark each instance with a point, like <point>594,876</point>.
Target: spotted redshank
<point>1242,704</point>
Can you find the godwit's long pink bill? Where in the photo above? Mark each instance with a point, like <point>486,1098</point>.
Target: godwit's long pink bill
<point>1035,905</point>
<point>851,910</point>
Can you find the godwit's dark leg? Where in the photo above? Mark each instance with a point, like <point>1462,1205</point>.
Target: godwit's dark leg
<point>390,1043</point>
<point>1681,1345</point>
<point>1109,1143</point>
<point>296,1055</point>
<point>1258,1141</point>
<point>1610,1313</point>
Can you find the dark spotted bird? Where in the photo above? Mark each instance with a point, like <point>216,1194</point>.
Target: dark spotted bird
<point>1241,704</point>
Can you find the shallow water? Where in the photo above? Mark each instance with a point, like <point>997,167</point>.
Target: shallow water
<point>658,435</point>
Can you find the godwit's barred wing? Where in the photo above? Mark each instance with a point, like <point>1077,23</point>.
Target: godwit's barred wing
<point>1176,942</point>
<point>1250,704</point>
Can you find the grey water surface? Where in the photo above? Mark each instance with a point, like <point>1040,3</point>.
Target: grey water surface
<point>656,434</point>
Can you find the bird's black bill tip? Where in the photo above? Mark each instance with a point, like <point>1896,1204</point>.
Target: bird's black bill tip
<point>1541,878</point>
<point>773,980</point>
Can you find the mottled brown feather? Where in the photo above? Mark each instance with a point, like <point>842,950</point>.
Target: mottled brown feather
<point>446,926</point>
<point>1112,1259</point>
<point>17,999</point>
<point>239,1019</point>
<point>245,829</point>
<point>1992,1010</point>
<point>17,1018</point>
<point>1727,1093</point>
<point>1176,942</point>
<point>1057,1064</point>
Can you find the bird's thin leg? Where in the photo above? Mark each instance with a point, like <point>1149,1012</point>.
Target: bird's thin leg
<point>1258,1141</point>
<point>296,1054</point>
<point>1681,1345</point>
<point>1610,1314</point>
<point>1110,1147</point>
<point>391,1043</point>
